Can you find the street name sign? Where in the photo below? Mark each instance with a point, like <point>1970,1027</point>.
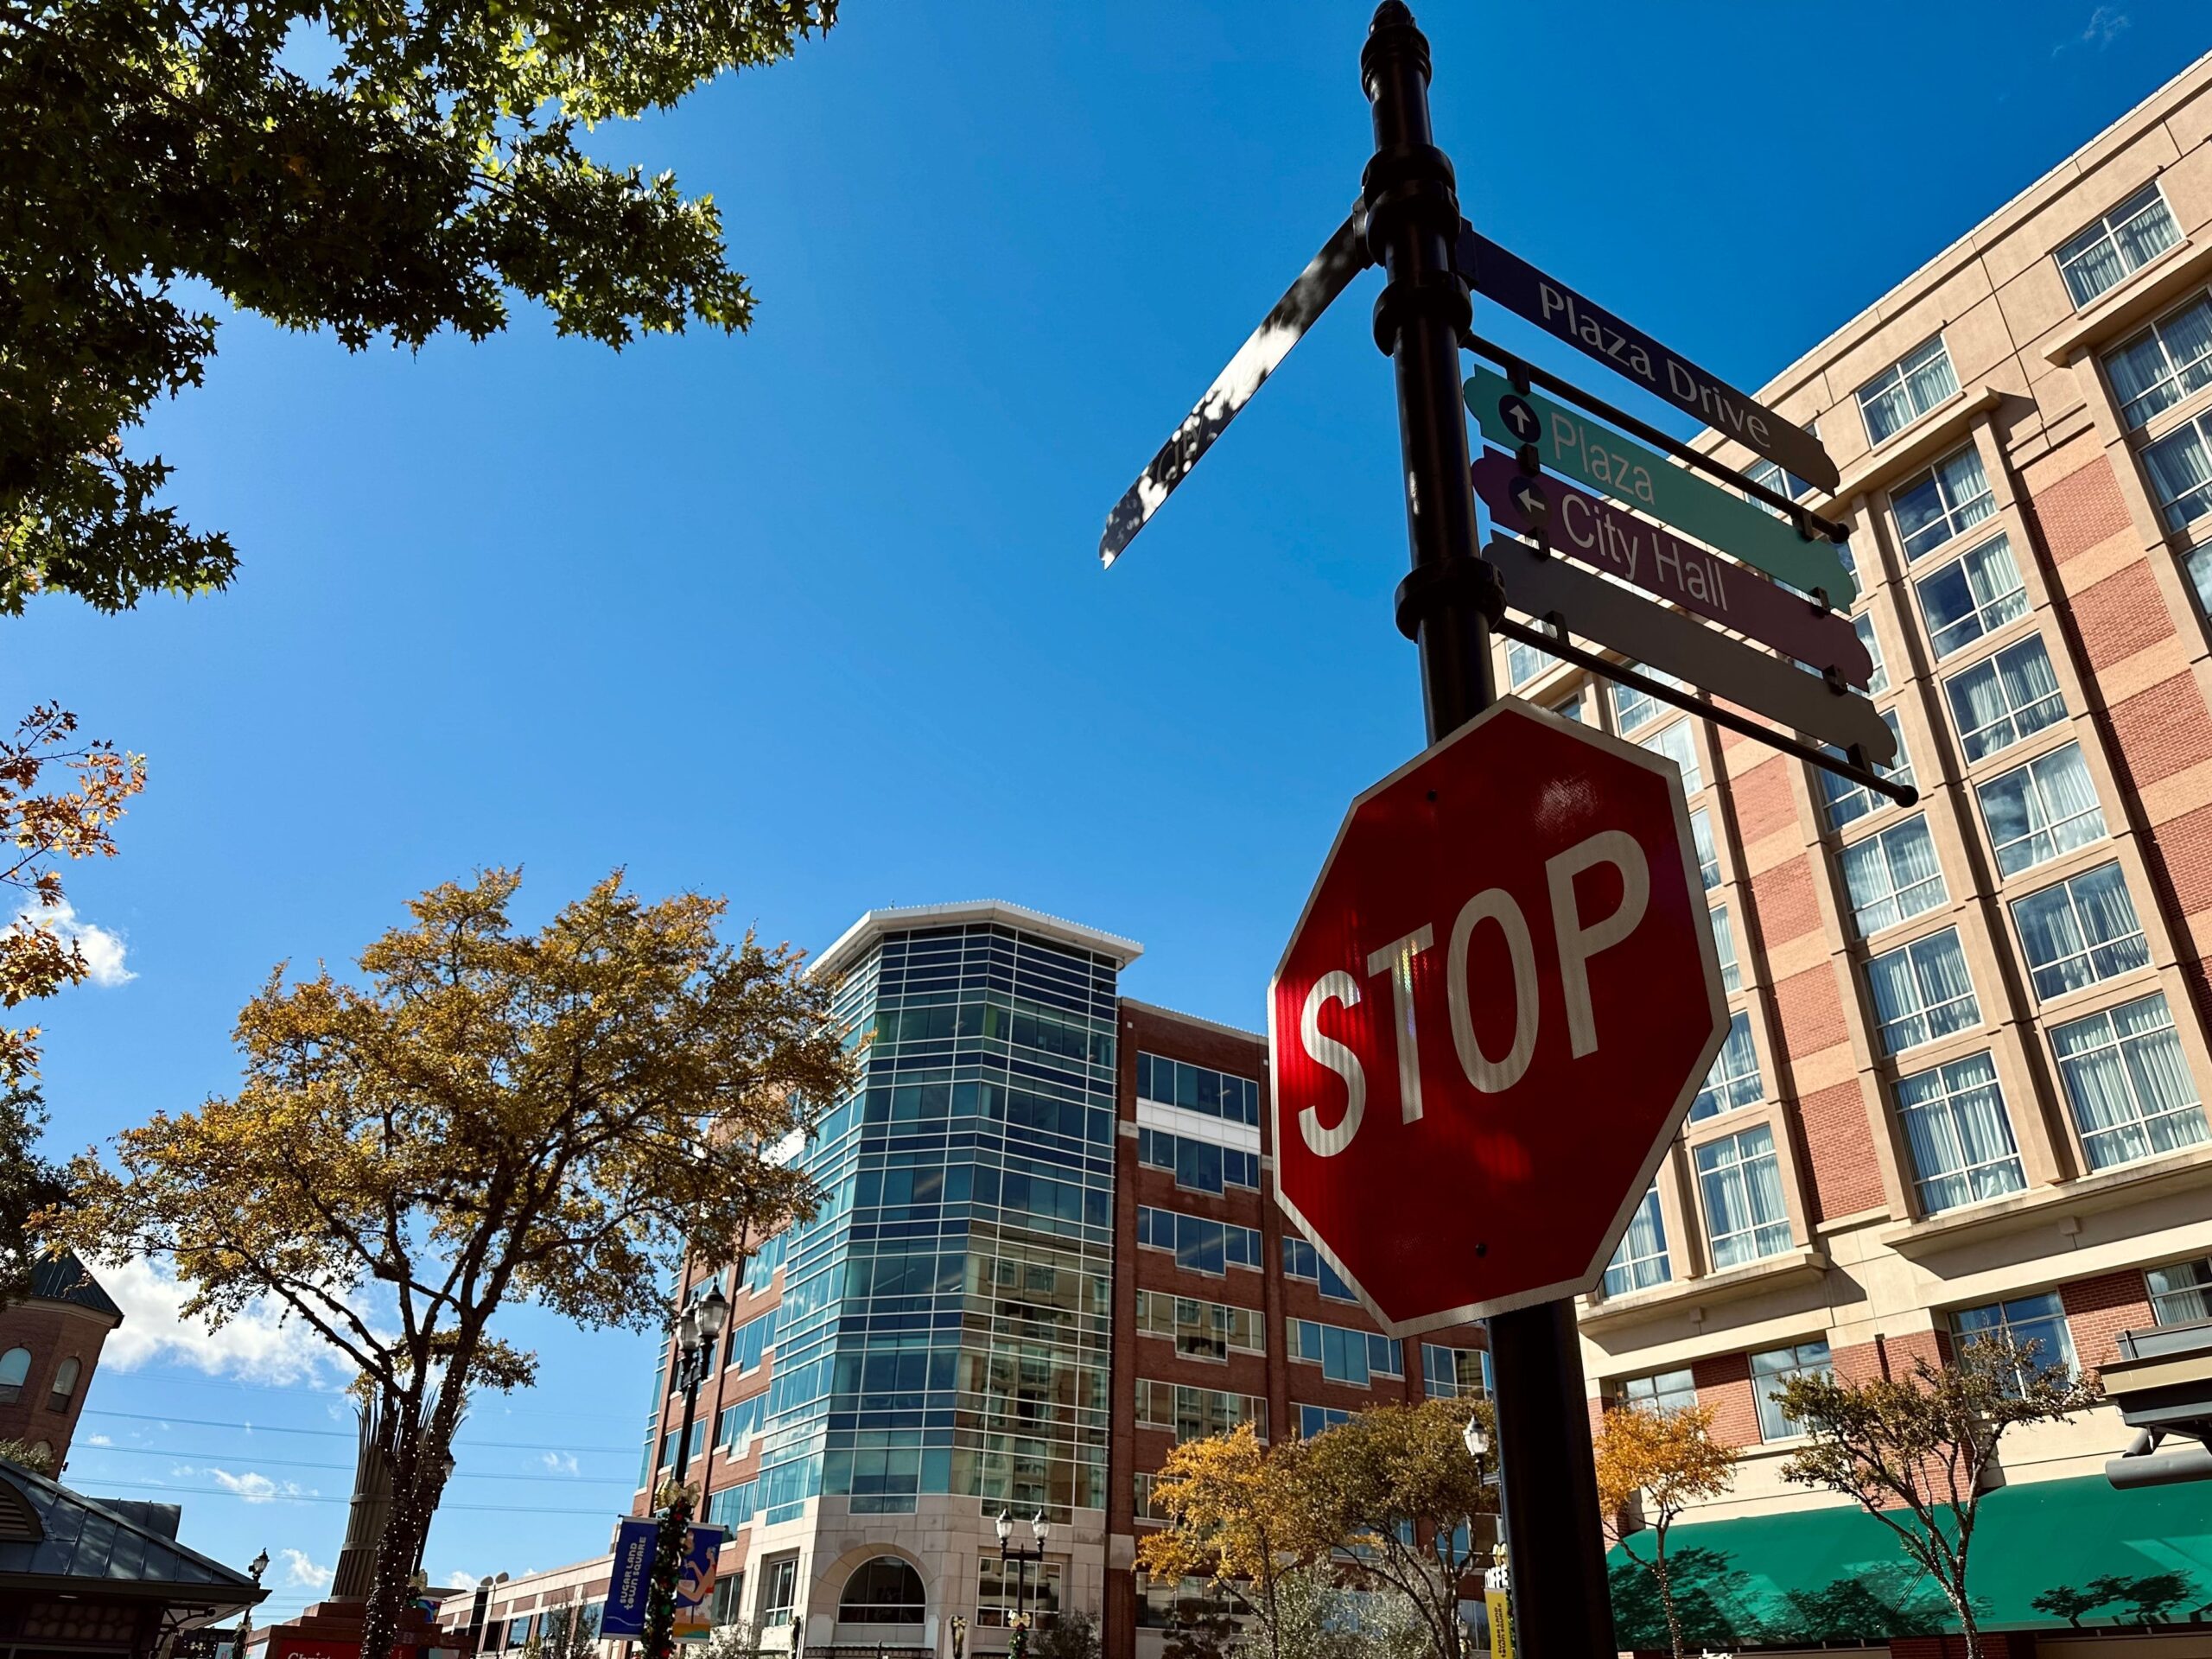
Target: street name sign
<point>1659,561</point>
<point>1492,1015</point>
<point>1573,444</point>
<point>1545,586</point>
<point>1556,308</point>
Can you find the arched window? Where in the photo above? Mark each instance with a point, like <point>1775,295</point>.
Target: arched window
<point>65,1383</point>
<point>15,1366</point>
<point>886,1591</point>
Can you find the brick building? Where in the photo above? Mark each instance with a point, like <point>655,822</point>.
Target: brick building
<point>50,1344</point>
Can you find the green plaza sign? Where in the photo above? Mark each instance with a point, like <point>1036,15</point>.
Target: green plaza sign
<point>1579,448</point>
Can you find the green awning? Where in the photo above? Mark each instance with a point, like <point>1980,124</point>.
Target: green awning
<point>2045,1556</point>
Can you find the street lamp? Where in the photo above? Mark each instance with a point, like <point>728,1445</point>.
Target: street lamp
<point>1041,1530</point>
<point>1477,1439</point>
<point>257,1566</point>
<point>697,1330</point>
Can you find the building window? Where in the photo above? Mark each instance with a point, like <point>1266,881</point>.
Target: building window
<point>1679,744</point>
<point>1735,1079</point>
<point>1863,625</point>
<point>1526,663</point>
<point>1907,390</point>
<point>1202,1246</point>
<point>668,1446</point>
<point>886,1591</point>
<point>2120,243</point>
<point>738,1424</point>
<point>1977,593</point>
<point>1893,876</point>
<point>2129,1084</point>
<point>1740,1181</point>
<point>2035,1323</point>
<point>1724,947</point>
<point>999,1585</point>
<point>1923,991</point>
<point>1847,800</point>
<point>2036,811</point>
<point>1301,1261</point>
<point>1775,1370</point>
<point>1194,1414</point>
<point>2199,566</point>
<point>749,1345</point>
<point>1632,707</point>
<point>1197,1089</point>
<point>15,1366</point>
<point>65,1383</point>
<point>1662,1392</point>
<point>2081,931</point>
<point>1641,1261</point>
<point>1454,1373</point>
<point>2181,1294</point>
<point>1201,1329</point>
<point>1343,1354</point>
<point>2005,698</point>
<point>1771,475</point>
<point>733,1506</point>
<point>1570,710</point>
<point>1319,1420</point>
<point>2181,473</point>
<point>1201,1165</point>
<point>778,1590</point>
<point>2165,363</point>
<point>1961,1139</point>
<point>1942,502</point>
<point>1708,855</point>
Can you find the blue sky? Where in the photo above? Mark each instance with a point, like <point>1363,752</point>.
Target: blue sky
<point>811,617</point>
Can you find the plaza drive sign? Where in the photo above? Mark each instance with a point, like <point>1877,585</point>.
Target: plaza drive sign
<point>1491,1019</point>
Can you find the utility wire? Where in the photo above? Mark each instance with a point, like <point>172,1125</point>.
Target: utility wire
<point>259,1461</point>
<point>304,1498</point>
<point>347,1435</point>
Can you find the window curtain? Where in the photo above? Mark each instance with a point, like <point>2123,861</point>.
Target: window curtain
<point>1931,380</point>
<point>2031,686</point>
<point>1993,579</point>
<point>1867,876</point>
<point>1979,699</point>
<point>2179,470</point>
<point>2096,1083</point>
<point>2108,917</point>
<point>2050,930</point>
<point>1913,867</point>
<point>1946,987</point>
<point>2063,779</point>
<point>1896,997</point>
<point>2159,1073</point>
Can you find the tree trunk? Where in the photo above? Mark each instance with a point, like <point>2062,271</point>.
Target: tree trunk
<point>1969,1632</point>
<point>1665,1583</point>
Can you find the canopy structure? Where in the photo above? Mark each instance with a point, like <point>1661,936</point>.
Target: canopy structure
<point>102,1577</point>
<point>2048,1555</point>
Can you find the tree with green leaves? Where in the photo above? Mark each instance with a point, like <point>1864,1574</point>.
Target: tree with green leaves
<point>491,1115</point>
<point>428,166</point>
<point>1915,1451</point>
<point>1651,1466</point>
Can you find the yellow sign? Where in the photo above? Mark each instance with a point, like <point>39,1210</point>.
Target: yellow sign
<point>1501,1623</point>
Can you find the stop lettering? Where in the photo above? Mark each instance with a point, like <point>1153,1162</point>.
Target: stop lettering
<point>1491,1018</point>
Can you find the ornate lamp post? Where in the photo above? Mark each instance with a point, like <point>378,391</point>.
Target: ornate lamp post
<point>257,1566</point>
<point>696,1332</point>
<point>1008,1552</point>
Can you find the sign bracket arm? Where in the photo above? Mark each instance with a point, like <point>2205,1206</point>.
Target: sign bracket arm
<point>1545,639</point>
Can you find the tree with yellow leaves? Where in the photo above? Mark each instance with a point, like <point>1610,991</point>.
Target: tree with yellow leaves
<point>490,1116</point>
<point>1651,1466</point>
<point>1232,1507</point>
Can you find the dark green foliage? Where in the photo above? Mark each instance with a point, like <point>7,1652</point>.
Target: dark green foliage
<point>151,146</point>
<point>27,1185</point>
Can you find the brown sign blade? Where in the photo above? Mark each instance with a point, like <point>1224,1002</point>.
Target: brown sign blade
<point>1587,604</point>
<point>1601,535</point>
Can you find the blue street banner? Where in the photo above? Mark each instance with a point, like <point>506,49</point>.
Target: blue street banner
<point>695,1583</point>
<point>630,1586</point>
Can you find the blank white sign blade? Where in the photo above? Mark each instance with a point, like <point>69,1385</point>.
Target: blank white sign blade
<point>1342,257</point>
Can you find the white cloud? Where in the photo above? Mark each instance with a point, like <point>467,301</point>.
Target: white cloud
<point>458,1580</point>
<point>103,949</point>
<point>561,1463</point>
<point>256,1487</point>
<point>98,1440</point>
<point>299,1570</point>
<point>2105,22</point>
<point>255,1345</point>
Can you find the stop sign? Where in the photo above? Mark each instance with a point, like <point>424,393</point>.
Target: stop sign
<point>1496,1009</point>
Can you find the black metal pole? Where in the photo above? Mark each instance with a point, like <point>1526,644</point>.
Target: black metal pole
<point>1546,1475</point>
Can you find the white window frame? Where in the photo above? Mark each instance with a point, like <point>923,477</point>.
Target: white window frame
<point>1987,614</point>
<point>1633,1269</point>
<point>1811,1357</point>
<point>1734,1170</point>
<point>2195,502</point>
<point>2089,949</point>
<point>1846,800</point>
<point>1994,665</point>
<point>1922,1011</point>
<point>1662,743</point>
<point>1951,1085</point>
<point>1878,843</point>
<point>1863,625</point>
<point>2104,228</point>
<point>2046,828</point>
<point>2173,387</point>
<point>1724,947</point>
<point>1953,517</point>
<point>1896,381</point>
<point>2142,1119</point>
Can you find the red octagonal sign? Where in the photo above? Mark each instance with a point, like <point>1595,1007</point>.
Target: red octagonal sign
<point>1495,1012</point>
